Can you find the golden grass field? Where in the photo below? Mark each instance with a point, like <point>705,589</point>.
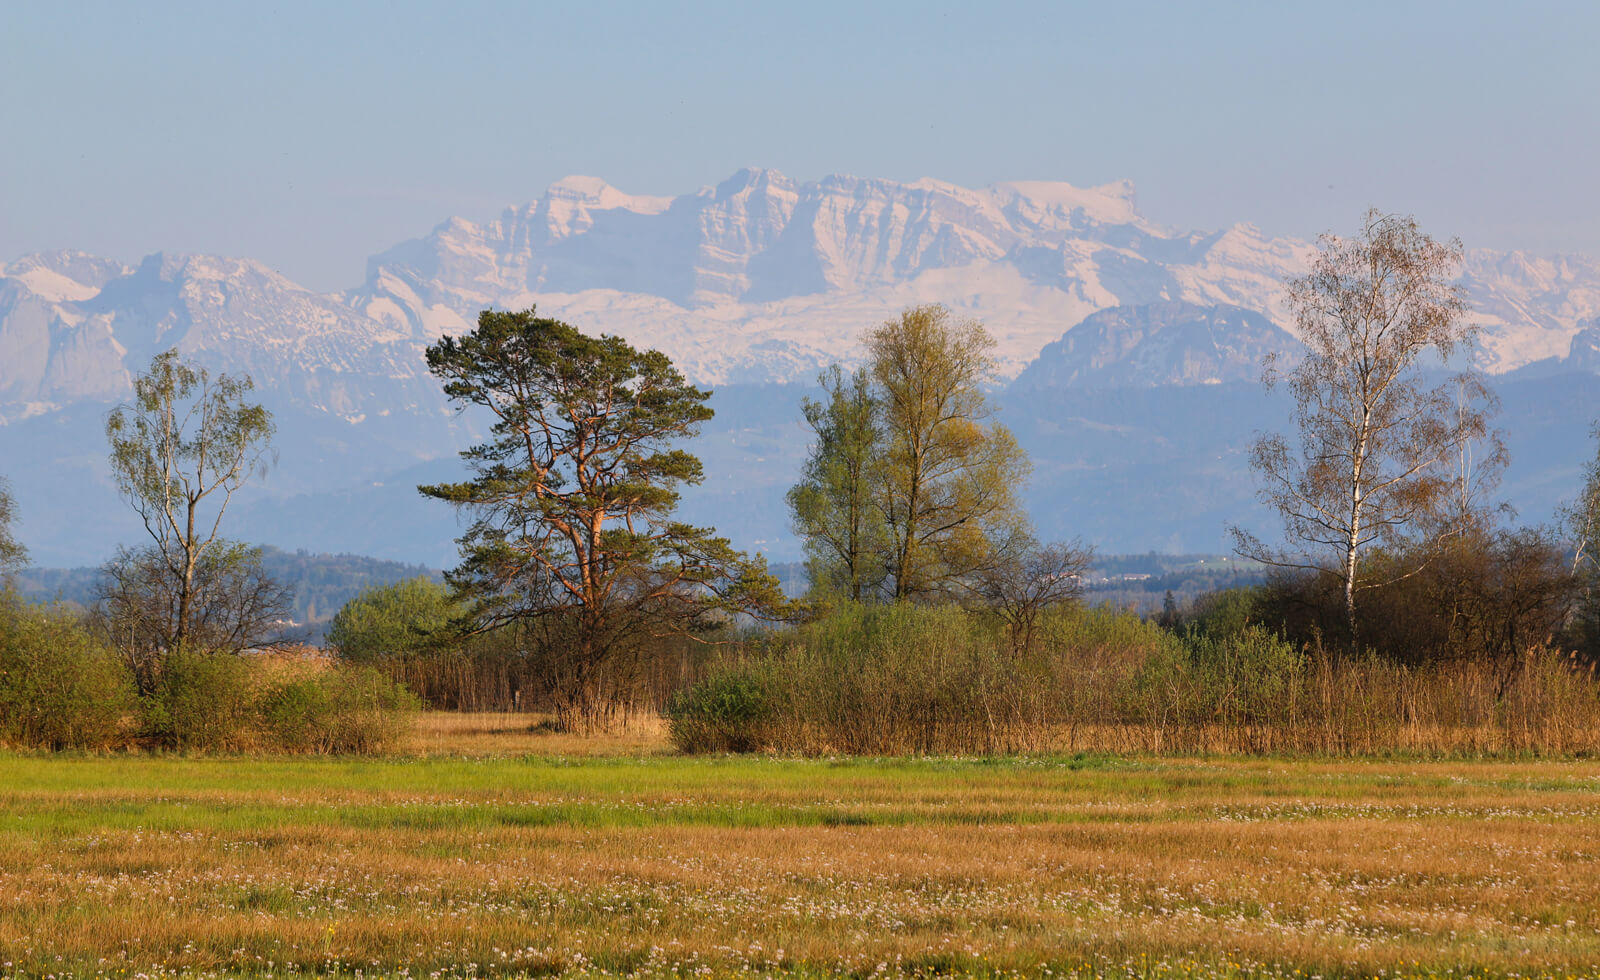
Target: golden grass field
<point>492,849</point>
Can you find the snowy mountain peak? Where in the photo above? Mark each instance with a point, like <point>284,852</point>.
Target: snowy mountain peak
<point>1110,204</point>
<point>63,274</point>
<point>758,277</point>
<point>595,194</point>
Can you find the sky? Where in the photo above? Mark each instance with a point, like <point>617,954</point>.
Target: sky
<point>312,135</point>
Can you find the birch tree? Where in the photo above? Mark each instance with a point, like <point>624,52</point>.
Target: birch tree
<point>1582,519</point>
<point>1377,460</point>
<point>179,452</point>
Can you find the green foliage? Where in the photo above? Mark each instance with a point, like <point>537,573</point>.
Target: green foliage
<point>726,712</point>
<point>178,454</point>
<point>908,678</point>
<point>352,709</point>
<point>296,714</point>
<point>59,688</point>
<point>834,505</point>
<point>1225,613</point>
<point>203,701</point>
<point>910,487</point>
<point>572,498</point>
<point>392,620</point>
<point>13,555</point>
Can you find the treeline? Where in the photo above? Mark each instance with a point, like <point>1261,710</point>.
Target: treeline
<point>1401,610</point>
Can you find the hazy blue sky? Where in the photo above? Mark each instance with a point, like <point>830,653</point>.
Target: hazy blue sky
<point>312,135</point>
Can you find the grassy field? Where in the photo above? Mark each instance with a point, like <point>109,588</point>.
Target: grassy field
<point>494,850</point>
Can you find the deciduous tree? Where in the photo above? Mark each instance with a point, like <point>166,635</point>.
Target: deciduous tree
<point>178,453</point>
<point>572,498</point>
<point>1024,578</point>
<point>1582,519</point>
<point>13,555</point>
<point>229,604</point>
<point>835,504</point>
<point>392,620</point>
<point>1378,449</point>
<point>949,474</point>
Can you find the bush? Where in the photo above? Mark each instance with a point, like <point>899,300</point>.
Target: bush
<point>391,621</point>
<point>915,679</point>
<point>405,631</point>
<point>370,711</point>
<point>728,711</point>
<point>911,680</point>
<point>1485,598</point>
<point>296,715</point>
<point>59,688</point>
<point>222,703</point>
<point>203,701</point>
<point>1230,676</point>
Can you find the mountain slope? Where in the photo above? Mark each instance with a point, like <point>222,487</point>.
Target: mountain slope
<point>1156,344</point>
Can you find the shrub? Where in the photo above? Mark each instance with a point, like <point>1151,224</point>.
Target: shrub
<point>203,701</point>
<point>1246,675</point>
<point>405,631</point>
<point>345,709</point>
<point>391,621</point>
<point>728,711</point>
<point>370,711</point>
<point>59,688</point>
<point>296,715</point>
<point>1485,598</point>
<point>915,679</point>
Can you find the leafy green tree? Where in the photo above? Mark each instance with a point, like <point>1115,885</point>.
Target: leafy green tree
<point>835,505</point>
<point>178,454</point>
<point>392,620</point>
<point>949,474</point>
<point>909,492</point>
<point>13,555</point>
<point>571,500</point>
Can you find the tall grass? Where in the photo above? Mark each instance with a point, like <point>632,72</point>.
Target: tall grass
<point>917,680</point>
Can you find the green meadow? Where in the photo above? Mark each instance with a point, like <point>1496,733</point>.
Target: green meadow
<point>651,864</point>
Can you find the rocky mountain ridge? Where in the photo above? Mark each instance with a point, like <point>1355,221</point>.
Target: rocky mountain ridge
<point>757,279</point>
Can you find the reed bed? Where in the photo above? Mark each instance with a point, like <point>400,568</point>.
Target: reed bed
<point>907,680</point>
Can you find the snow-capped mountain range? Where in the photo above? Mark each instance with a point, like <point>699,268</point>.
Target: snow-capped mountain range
<point>758,281</point>
<point>760,278</point>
